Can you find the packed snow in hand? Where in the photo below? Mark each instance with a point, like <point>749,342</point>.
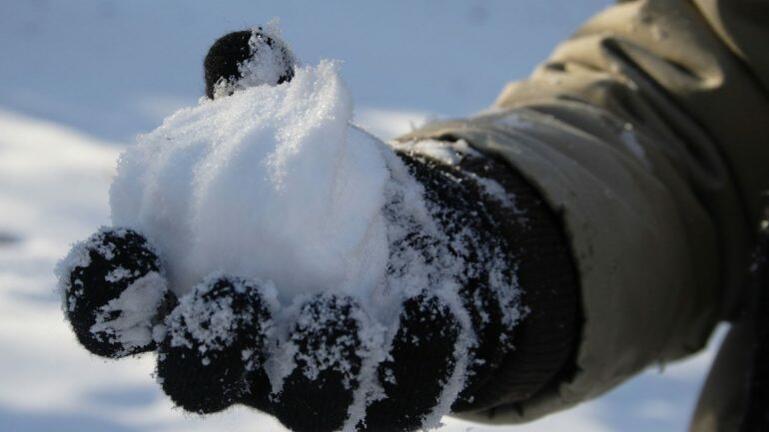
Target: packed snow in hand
<point>271,182</point>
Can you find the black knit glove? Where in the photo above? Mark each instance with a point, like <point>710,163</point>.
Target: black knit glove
<point>214,343</point>
<point>222,343</point>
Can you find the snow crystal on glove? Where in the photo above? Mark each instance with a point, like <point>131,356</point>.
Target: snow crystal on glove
<point>128,320</point>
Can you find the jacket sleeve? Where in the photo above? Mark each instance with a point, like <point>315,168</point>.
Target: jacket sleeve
<point>648,131</point>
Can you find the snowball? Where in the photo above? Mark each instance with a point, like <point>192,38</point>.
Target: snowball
<point>272,182</point>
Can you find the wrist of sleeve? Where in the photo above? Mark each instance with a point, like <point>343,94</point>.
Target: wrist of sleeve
<point>644,247</point>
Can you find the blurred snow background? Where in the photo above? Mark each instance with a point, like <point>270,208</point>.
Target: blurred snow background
<point>79,79</point>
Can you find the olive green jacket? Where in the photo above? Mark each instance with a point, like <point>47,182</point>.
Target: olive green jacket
<point>649,131</point>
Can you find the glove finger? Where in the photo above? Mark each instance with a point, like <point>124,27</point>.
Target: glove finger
<point>246,58</point>
<point>213,351</point>
<point>422,361</point>
<point>317,394</point>
<point>114,292</point>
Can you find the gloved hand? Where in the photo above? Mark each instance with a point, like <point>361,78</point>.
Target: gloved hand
<point>316,366</point>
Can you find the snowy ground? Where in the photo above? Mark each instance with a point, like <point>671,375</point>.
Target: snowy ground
<point>77,82</point>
